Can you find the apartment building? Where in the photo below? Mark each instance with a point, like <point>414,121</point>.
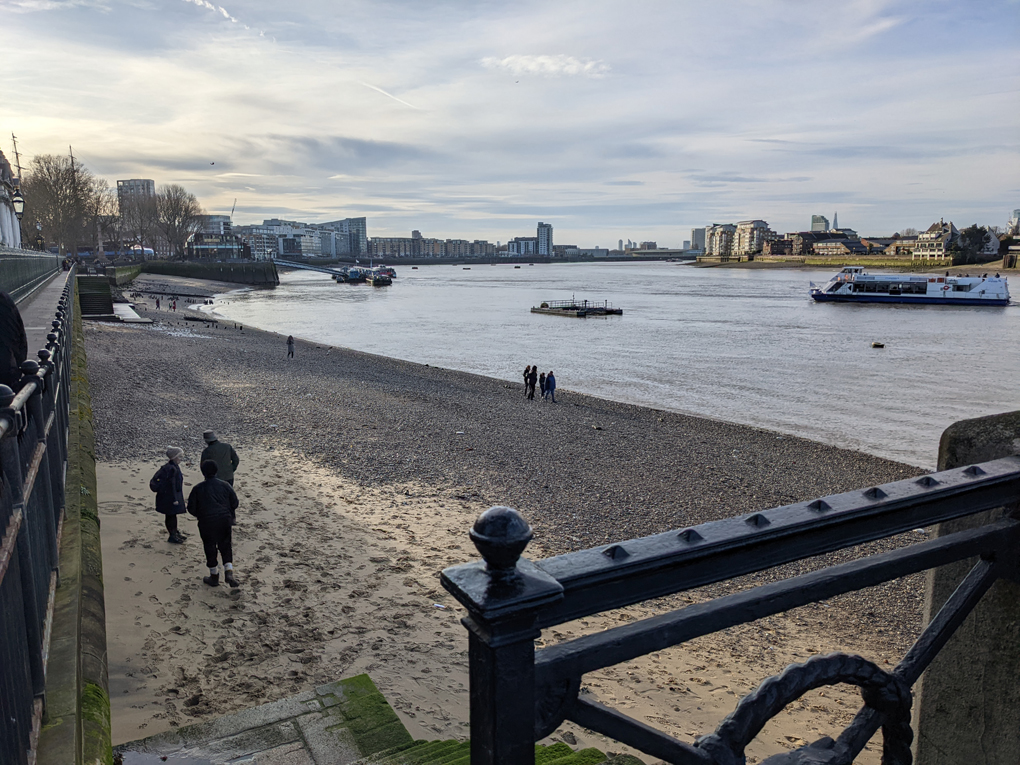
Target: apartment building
<point>719,239</point>
<point>934,243</point>
<point>522,245</point>
<point>750,237</point>
<point>545,239</point>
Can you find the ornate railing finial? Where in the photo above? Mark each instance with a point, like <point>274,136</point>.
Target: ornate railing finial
<point>501,534</point>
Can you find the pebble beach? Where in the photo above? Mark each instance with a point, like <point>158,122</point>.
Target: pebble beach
<point>426,449</point>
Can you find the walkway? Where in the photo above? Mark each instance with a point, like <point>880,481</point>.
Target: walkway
<point>37,311</point>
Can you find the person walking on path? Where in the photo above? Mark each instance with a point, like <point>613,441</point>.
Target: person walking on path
<point>527,376</point>
<point>214,503</point>
<point>13,342</point>
<point>168,483</point>
<point>532,380</point>
<point>290,346</point>
<point>222,454</point>
<point>550,386</point>
<point>541,384</point>
<point>157,304</point>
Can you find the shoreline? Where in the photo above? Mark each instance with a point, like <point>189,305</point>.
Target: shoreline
<point>360,477</point>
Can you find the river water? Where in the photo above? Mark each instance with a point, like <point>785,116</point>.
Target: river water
<point>746,346</point>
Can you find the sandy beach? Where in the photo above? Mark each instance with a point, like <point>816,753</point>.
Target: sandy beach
<point>359,479</point>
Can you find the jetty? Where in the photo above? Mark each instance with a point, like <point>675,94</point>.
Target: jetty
<point>579,309</point>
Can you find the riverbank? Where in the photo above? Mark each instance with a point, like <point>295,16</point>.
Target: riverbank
<point>360,477</point>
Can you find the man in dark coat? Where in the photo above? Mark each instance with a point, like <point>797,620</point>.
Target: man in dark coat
<point>168,483</point>
<point>222,454</point>
<point>13,342</point>
<point>214,503</point>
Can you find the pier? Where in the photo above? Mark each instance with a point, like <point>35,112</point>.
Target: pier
<point>578,309</point>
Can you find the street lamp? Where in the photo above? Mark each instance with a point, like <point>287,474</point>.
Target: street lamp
<point>19,203</point>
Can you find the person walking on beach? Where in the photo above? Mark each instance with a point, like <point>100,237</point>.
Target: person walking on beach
<point>222,454</point>
<point>541,384</point>
<point>527,376</point>
<point>168,483</point>
<point>157,304</point>
<point>290,346</point>
<point>214,503</point>
<point>550,386</point>
<point>532,380</point>
<point>13,342</point>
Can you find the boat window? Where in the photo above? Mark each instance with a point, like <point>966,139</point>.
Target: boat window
<point>961,288</point>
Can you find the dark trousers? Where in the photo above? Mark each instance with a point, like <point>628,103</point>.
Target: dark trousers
<point>216,537</point>
<point>290,351</point>
<point>170,519</point>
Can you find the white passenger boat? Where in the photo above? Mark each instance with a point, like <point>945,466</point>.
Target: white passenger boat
<point>853,285</point>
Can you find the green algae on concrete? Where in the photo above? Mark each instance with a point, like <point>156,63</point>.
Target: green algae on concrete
<point>365,713</point>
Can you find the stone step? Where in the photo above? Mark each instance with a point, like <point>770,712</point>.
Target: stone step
<point>348,722</point>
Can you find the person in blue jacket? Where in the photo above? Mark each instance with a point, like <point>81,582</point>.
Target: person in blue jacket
<point>168,483</point>
<point>550,386</point>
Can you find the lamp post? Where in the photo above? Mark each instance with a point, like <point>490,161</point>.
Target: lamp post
<point>18,202</point>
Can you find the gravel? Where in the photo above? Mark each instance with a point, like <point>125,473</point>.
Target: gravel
<point>584,471</point>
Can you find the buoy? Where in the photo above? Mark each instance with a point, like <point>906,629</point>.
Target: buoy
<point>877,344</point>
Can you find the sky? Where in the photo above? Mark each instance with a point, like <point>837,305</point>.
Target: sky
<point>634,120</point>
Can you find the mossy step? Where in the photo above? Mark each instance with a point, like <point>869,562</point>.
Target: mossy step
<point>421,753</point>
<point>546,754</point>
<point>624,759</point>
<point>583,757</point>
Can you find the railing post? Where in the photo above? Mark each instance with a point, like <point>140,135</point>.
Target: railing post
<point>502,597</point>
<point>968,707</point>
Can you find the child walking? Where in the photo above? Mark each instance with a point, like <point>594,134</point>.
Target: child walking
<point>168,483</point>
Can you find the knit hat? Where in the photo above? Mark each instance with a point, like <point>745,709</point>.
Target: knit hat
<point>174,451</point>
<point>209,436</point>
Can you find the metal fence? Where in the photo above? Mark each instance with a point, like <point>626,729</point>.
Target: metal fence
<point>518,695</point>
<point>33,462</point>
<point>21,271</point>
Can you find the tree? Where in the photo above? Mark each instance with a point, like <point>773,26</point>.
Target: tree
<point>139,218</point>
<point>910,232</point>
<point>65,199</point>
<point>970,245</point>
<point>178,214</point>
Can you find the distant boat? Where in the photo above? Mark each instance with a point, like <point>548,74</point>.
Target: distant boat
<point>414,268</point>
<point>466,268</point>
<point>516,266</point>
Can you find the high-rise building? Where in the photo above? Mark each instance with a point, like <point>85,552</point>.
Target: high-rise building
<point>545,238</point>
<point>621,246</point>
<point>698,238</point>
<point>750,237</point>
<point>835,220</point>
<point>687,244</point>
<point>134,188</point>
<point>819,223</point>
<point>719,239</point>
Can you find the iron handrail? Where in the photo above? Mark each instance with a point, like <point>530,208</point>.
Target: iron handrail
<point>518,694</point>
<point>34,431</point>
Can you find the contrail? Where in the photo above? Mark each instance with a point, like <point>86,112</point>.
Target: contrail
<point>373,87</point>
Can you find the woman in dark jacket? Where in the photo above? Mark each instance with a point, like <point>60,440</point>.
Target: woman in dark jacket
<point>168,483</point>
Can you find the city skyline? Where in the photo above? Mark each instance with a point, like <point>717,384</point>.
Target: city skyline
<point>894,113</point>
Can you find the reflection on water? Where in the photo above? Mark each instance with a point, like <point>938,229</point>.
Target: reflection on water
<point>744,346</point>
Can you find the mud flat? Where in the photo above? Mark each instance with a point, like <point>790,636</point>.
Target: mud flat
<point>359,479</point>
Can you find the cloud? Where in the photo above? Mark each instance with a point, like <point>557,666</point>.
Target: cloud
<point>549,66</point>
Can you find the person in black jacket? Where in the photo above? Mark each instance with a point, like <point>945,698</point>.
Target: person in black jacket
<point>13,342</point>
<point>168,483</point>
<point>213,502</point>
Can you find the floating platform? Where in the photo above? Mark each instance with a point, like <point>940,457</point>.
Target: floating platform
<point>578,309</point>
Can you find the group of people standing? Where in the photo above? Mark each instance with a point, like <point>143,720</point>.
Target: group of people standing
<point>545,382</point>
<point>212,502</point>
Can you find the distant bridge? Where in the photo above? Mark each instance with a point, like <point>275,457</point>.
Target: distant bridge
<point>306,267</point>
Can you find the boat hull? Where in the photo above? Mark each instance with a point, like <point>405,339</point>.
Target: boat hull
<point>821,297</point>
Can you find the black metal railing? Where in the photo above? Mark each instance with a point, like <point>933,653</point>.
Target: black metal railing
<point>518,696</point>
<point>21,271</point>
<point>33,462</point>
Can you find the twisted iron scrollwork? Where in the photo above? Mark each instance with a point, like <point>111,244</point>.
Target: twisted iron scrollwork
<point>882,691</point>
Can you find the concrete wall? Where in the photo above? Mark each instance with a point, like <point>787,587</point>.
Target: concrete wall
<point>968,702</point>
<point>261,273</point>
<point>76,729</point>
<point>122,275</point>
